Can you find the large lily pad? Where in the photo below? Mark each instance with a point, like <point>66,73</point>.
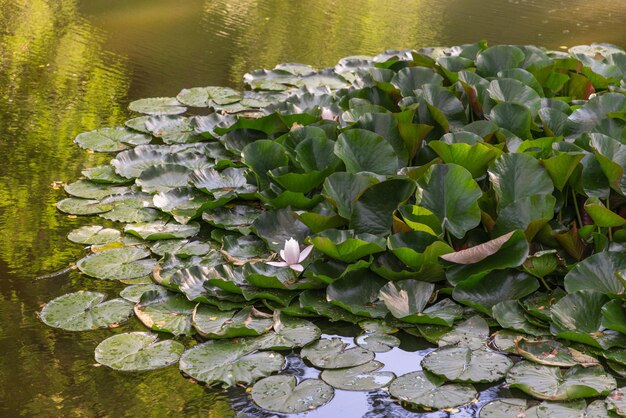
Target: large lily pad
<point>137,351</point>
<point>462,364</point>
<point>210,322</point>
<point>83,311</point>
<point>165,312</point>
<point>162,230</point>
<point>157,106</point>
<point>598,272</point>
<point>425,390</point>
<point>111,139</point>
<point>282,394</point>
<point>363,377</point>
<point>554,384</point>
<point>94,234</point>
<point>334,354</point>
<point>117,264</point>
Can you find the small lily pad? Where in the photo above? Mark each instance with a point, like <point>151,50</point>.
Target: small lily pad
<point>90,190</point>
<point>213,323</point>
<point>94,234</point>
<point>165,312</point>
<point>83,311</point>
<point>288,333</point>
<point>133,293</point>
<point>104,174</point>
<point>77,206</point>
<point>461,364</point>
<point>428,391</point>
<point>117,264</point>
<point>137,351</point>
<point>378,343</point>
<point>333,354</point>
<point>158,106</point>
<point>162,230</point>
<point>282,394</point>
<point>111,139</point>
<point>504,408</point>
<point>363,377</point>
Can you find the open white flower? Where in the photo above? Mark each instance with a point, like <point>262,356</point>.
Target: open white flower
<point>292,256</point>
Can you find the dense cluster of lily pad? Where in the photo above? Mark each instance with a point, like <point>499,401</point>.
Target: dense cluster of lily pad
<point>472,196</point>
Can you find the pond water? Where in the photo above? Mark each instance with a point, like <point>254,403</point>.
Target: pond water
<point>68,66</point>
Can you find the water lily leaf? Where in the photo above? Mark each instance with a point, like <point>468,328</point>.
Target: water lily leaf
<point>346,246</point>
<point>223,186</point>
<point>315,301</point>
<point>558,410</point>
<point>554,384</point>
<point>601,215</point>
<point>317,153</point>
<point>282,394</point>
<point>163,177</point>
<point>483,293</point>
<point>538,304</point>
<point>77,206</point>
<point>373,208</point>
<point>578,317</point>
<point>410,79</point>
<point>133,293</point>
<point>281,296</point>
<point>104,174</point>
<point>131,163</point>
<point>363,377</point>
<point>265,276</point>
<point>117,264</point>
<point>428,391</point>
<point>363,150</point>
<point>342,189</point>
<point>334,354</point>
<point>406,297</point>
<point>158,106</point>
<point>420,219</point>
<point>90,190</point>
<point>552,353</point>
<point>297,182</point>
<point>182,248</point>
<point>597,272</point>
<point>357,292</point>
<point>513,91</point>
<point>473,333</point>
<point>594,111</point>
<point>504,408</point>
<point>561,167</point>
<point>213,323</point>
<point>233,218</point>
<point>263,156</point>
<point>277,226</point>
<point>130,207</point>
<point>514,118</point>
<point>165,312</point>
<point>614,316</point>
<point>376,342</point>
<point>137,351</point>
<point>529,214</point>
<point>616,403</point>
<point>508,250</point>
<point>498,58</point>
<point>222,361</point>
<point>511,315</point>
<point>450,192</point>
<point>84,311</point>
<point>184,203</point>
<point>162,230</point>
<point>289,333</point>
<point>475,158</point>
<point>111,139</point>
<point>508,175</point>
<point>418,250</point>
<point>94,234</point>
<point>461,364</point>
<point>208,96</point>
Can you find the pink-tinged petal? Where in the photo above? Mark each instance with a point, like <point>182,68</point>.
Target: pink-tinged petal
<point>277,263</point>
<point>296,267</point>
<point>327,114</point>
<point>305,253</point>
<point>282,254</point>
<point>292,251</point>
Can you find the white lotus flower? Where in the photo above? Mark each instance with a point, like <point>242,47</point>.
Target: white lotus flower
<point>292,256</point>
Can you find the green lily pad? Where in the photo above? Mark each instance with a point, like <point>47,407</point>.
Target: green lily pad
<point>104,174</point>
<point>504,408</point>
<point>316,302</point>
<point>363,150</point>
<point>277,226</point>
<point>117,264</point>
<point>94,234</point>
<point>288,333</point>
<point>233,218</point>
<point>208,96</point>
<point>552,353</point>
<point>558,410</point>
<point>90,190</point>
<point>554,384</point>
<point>222,361</point>
<point>181,248</point>
<point>334,354</point>
<point>282,394</point>
<point>83,311</point>
<point>473,333</point>
<point>133,293</point>
<point>343,189</point>
<point>158,106</point>
<point>357,292</point>
<point>183,203</point>
<point>213,323</point>
<point>376,342</point>
<point>363,377</point>
<point>597,272</point>
<point>76,206</point>
<point>137,351</point>
<point>462,364</point>
<point>346,246</point>
<point>111,139</point>
<point>165,312</point>
<point>223,186</point>
<point>511,315</point>
<point>130,207</point>
<point>428,391</point>
<point>159,230</point>
<point>163,177</point>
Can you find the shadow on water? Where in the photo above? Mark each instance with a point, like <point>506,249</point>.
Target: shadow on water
<point>68,66</point>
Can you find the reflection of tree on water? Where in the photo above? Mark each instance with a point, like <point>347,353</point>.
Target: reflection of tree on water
<point>55,82</point>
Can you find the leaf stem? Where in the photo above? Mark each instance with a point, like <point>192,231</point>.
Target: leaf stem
<point>580,221</point>
<point>610,229</point>
<point>545,284</point>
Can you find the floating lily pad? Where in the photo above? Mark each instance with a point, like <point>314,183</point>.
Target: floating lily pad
<point>288,333</point>
<point>282,394</point>
<point>90,190</point>
<point>558,410</point>
<point>83,311</point>
<point>334,354</point>
<point>94,234</point>
<point>213,323</point>
<point>133,293</point>
<point>363,377</point>
<point>158,106</point>
<point>111,139</point>
<point>597,272</point>
<point>104,174</point>
<point>504,408</point>
<point>462,364</point>
<point>181,248</point>
<point>117,264</point>
<point>428,391</point>
<point>554,384</point>
<point>552,353</point>
<point>76,206</point>
<point>378,343</point>
<point>162,230</point>
<point>473,333</point>
<point>165,312</point>
<point>138,351</point>
<point>222,361</point>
